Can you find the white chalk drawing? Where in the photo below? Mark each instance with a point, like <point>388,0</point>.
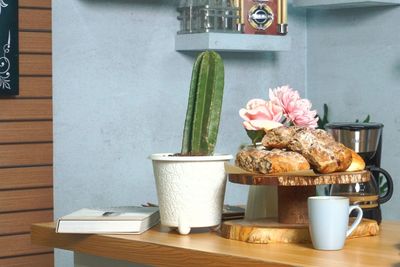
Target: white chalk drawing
<point>2,4</point>
<point>5,66</point>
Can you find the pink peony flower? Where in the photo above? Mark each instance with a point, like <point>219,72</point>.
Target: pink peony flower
<point>260,114</point>
<point>284,97</point>
<point>285,107</point>
<point>301,114</point>
<point>296,110</point>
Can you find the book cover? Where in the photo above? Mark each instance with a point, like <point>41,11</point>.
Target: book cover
<point>113,220</point>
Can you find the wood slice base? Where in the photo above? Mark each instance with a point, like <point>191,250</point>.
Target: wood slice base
<point>300,178</point>
<point>267,231</point>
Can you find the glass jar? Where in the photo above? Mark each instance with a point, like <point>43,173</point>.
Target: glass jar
<point>198,16</point>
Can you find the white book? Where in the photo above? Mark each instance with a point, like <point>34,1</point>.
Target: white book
<point>123,220</point>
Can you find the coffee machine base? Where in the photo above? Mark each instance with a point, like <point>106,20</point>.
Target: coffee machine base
<point>370,213</point>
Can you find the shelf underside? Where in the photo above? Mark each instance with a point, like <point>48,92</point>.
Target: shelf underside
<point>231,42</point>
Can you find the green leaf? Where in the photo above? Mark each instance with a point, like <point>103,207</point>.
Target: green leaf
<point>324,121</point>
<point>367,119</point>
<point>382,185</point>
<point>255,135</point>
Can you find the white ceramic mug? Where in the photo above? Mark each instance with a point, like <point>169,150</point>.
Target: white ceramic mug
<point>329,220</point>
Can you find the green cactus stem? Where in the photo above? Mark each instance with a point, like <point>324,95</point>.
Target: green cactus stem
<point>204,106</point>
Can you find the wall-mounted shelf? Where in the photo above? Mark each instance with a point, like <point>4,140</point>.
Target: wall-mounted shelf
<point>231,42</point>
<point>330,4</point>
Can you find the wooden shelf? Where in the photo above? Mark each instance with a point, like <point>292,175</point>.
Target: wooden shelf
<point>331,4</point>
<point>160,247</point>
<point>231,42</point>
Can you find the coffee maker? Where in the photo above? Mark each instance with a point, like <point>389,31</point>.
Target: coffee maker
<point>366,140</point>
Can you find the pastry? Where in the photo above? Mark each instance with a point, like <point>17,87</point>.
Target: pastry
<point>270,161</point>
<point>357,163</point>
<point>324,154</point>
<point>279,137</point>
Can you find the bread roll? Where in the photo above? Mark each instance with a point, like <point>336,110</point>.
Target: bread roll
<point>279,137</point>
<point>324,154</point>
<point>270,161</point>
<point>357,163</point>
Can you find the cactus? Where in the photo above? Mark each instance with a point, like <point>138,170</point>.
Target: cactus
<point>204,106</point>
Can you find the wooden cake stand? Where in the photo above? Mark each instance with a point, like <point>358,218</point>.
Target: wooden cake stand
<point>291,226</point>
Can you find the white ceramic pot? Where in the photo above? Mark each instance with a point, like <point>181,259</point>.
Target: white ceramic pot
<point>190,190</point>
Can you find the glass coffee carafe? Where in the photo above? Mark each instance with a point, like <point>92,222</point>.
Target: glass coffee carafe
<point>366,140</point>
<point>366,195</point>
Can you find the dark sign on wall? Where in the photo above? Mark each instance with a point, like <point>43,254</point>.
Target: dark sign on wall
<point>9,47</point>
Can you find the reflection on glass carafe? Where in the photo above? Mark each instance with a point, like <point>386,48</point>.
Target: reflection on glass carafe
<point>365,194</point>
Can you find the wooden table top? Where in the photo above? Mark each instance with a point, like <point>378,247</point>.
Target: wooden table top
<point>161,247</point>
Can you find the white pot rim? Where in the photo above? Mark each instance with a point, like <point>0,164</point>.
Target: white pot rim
<point>170,157</point>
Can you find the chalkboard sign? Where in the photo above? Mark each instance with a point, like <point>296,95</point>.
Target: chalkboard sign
<point>9,75</point>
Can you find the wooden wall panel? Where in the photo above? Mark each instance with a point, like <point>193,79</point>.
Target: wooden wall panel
<point>19,245</point>
<point>26,177</point>
<point>26,154</point>
<point>41,260</point>
<point>35,3</point>
<point>31,64</point>
<point>29,199</point>
<point>35,87</point>
<point>35,42</point>
<point>20,222</point>
<point>34,19</point>
<point>26,150</point>
<point>25,109</point>
<point>26,132</point>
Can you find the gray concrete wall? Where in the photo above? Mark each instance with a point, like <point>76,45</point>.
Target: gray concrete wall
<point>353,65</point>
<point>120,94</point>
<point>120,91</point>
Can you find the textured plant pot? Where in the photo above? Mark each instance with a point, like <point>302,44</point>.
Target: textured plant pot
<point>190,190</point>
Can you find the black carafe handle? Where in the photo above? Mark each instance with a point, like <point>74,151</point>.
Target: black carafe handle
<point>389,180</point>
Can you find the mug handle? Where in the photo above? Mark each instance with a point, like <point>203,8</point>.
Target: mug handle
<point>389,180</point>
<point>357,221</point>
